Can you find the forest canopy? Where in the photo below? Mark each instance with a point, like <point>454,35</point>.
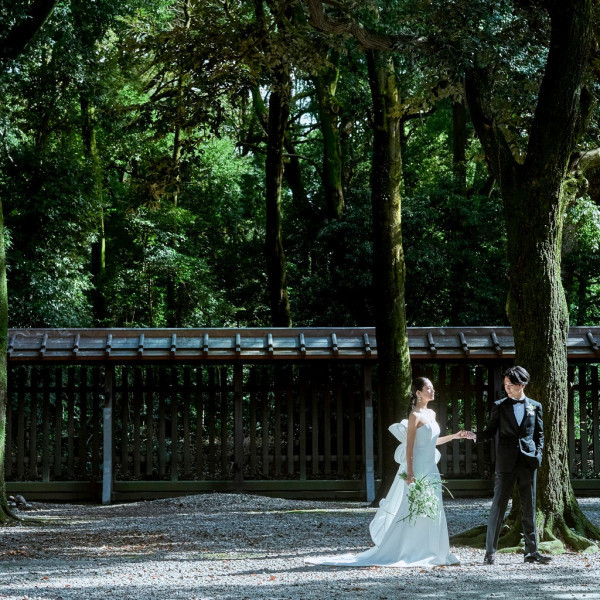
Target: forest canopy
<point>135,166</point>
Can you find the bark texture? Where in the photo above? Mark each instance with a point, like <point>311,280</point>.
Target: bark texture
<point>279,102</point>
<point>534,204</point>
<point>12,45</point>
<point>5,513</point>
<point>393,366</point>
<point>98,250</point>
<point>325,83</point>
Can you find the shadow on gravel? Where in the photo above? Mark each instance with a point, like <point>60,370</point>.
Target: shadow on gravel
<point>217,547</point>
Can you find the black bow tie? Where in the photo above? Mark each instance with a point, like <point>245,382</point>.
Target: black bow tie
<point>515,401</point>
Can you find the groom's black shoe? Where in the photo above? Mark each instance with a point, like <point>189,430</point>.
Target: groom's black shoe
<point>489,559</point>
<point>536,557</point>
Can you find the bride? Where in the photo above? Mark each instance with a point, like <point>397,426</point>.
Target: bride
<point>401,540</point>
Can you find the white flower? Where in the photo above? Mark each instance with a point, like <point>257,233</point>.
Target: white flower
<point>423,500</point>
<point>530,408</point>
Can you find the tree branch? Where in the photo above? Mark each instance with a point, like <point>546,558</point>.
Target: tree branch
<point>369,40</point>
<point>582,161</point>
<point>501,159</point>
<point>21,34</point>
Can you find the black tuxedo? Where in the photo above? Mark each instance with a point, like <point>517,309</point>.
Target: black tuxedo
<point>518,455</point>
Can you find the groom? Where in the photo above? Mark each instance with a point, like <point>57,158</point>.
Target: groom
<point>516,422</point>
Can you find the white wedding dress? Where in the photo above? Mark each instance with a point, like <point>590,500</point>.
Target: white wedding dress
<point>398,542</point>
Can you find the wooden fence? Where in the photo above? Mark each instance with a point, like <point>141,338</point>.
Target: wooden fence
<point>278,428</point>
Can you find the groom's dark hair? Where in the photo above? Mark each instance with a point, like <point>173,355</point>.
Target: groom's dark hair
<point>517,375</point>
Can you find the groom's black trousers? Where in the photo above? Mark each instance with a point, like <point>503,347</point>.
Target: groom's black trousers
<point>503,487</point>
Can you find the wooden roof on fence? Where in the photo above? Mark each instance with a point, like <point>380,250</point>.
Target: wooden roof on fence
<point>347,343</point>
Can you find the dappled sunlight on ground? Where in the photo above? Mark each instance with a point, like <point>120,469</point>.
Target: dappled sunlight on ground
<point>237,546</point>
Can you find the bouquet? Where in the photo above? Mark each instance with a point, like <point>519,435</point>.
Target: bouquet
<point>423,500</point>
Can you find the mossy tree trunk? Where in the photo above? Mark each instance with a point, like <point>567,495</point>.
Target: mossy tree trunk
<point>279,102</point>
<point>534,205</point>
<point>98,250</point>
<point>325,82</point>
<point>393,364</point>
<point>13,44</point>
<point>5,512</point>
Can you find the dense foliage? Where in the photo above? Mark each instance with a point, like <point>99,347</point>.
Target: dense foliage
<point>132,173</point>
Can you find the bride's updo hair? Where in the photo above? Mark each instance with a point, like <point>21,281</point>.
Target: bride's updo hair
<point>418,383</point>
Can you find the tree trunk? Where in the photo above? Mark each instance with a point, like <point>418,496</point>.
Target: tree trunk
<point>172,301</point>
<point>534,205</point>
<point>279,101</point>
<point>292,171</point>
<point>5,512</point>
<point>98,250</point>
<point>459,145</point>
<point>325,83</point>
<point>393,365</point>
<point>13,44</point>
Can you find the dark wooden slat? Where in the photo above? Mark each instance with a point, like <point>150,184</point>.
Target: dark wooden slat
<point>58,419</point>
<point>238,425</point>
<point>123,393</point>
<point>583,435</point>
<point>224,411</point>
<point>468,421</point>
<point>253,420</point>
<point>458,384</point>
<point>97,404</point>
<point>211,409</point>
<point>33,418</point>
<point>264,424</point>
<point>186,395</point>
<point>302,424</point>
<point>46,425</point>
<point>21,423</point>
<point>571,420</point>
<point>277,422</point>
<point>162,413</point>
<point>174,397</point>
<point>137,421</point>
<point>83,430</point>
<point>480,416</point>
<point>352,459</point>
<point>339,424</point>
<point>595,400</point>
<point>380,432</point>
<point>71,422</point>
<point>290,427</point>
<point>149,421</point>
<point>199,396</point>
<point>314,425</point>
<point>8,452</point>
<point>327,429</point>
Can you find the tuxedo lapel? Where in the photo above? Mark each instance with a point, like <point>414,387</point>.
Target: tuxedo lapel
<point>510,414</point>
<point>524,421</point>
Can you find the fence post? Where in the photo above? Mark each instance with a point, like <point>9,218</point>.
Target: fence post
<point>368,419</point>
<point>238,425</point>
<point>107,446</point>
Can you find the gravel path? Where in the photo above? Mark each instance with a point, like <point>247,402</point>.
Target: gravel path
<point>219,546</point>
